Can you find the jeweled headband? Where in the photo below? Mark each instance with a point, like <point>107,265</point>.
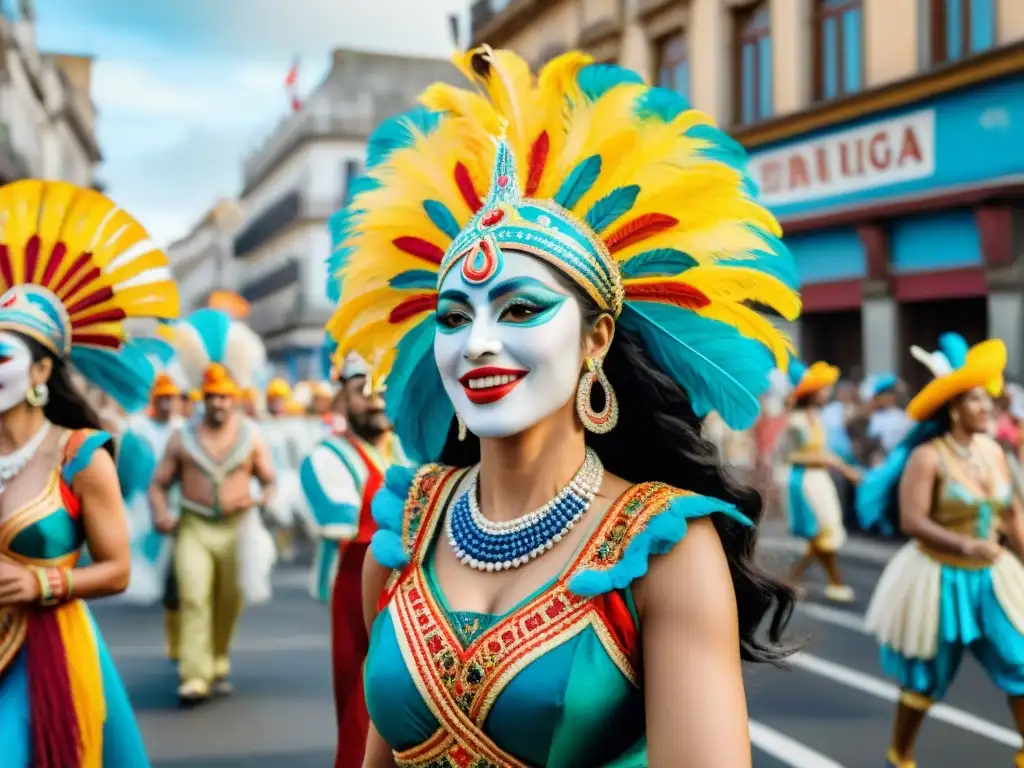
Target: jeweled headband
<point>634,196</point>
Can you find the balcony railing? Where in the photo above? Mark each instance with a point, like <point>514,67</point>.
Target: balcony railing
<point>326,118</point>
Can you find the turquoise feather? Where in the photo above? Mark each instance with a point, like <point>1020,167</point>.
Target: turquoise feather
<point>399,132</point>
<point>127,374</point>
<point>721,147</point>
<point>877,500</point>
<point>415,278</point>
<point>212,325</point>
<point>595,80</point>
<point>954,347</point>
<point>720,369</point>
<point>612,207</point>
<point>579,182</point>
<point>661,104</point>
<point>795,371</point>
<point>417,403</point>
<point>442,218</point>
<point>136,463</point>
<point>155,349</point>
<point>660,262</point>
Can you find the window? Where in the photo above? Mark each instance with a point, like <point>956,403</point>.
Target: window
<point>754,64</point>
<point>674,65</point>
<point>351,171</point>
<point>955,29</point>
<point>838,48</point>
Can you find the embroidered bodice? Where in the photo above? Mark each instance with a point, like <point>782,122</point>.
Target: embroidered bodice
<point>958,505</point>
<point>804,436</point>
<point>553,682</point>
<point>46,531</point>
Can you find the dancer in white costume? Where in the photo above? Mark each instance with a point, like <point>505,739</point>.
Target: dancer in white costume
<point>223,553</point>
<point>952,587</point>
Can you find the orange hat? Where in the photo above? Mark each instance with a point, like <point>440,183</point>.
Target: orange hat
<point>815,378</point>
<point>323,389</point>
<point>294,408</point>
<point>217,381</point>
<point>279,388</point>
<point>164,386</point>
<point>195,395</point>
<point>250,395</point>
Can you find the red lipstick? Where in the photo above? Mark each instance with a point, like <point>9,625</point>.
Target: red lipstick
<point>489,384</point>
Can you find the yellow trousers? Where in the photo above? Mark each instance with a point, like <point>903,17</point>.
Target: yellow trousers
<point>206,562</point>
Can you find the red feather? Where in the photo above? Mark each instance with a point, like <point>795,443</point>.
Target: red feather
<point>414,305</point>
<point>96,340</point>
<point>5,266</point>
<point>668,292</point>
<point>91,274</point>
<point>538,158</point>
<point>111,315</point>
<point>640,228</point>
<point>76,265</point>
<point>465,185</point>
<point>31,257</point>
<point>56,257</point>
<point>420,248</point>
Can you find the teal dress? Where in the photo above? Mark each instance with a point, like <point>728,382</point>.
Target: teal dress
<point>554,682</point>
<point>58,683</point>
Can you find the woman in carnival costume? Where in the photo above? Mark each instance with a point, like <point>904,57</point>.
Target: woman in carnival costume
<point>577,290</point>
<point>951,588</point>
<point>77,271</point>
<point>803,477</point>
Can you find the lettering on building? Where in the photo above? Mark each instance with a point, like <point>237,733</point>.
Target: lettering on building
<point>867,157</point>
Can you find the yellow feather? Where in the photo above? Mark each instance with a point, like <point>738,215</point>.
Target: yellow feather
<point>734,285</point>
<point>754,326</point>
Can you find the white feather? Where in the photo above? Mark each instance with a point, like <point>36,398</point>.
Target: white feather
<point>246,356</point>
<point>935,362</point>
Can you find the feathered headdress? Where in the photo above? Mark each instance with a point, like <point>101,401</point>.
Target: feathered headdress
<point>218,354</point>
<point>638,199</point>
<point>77,272</point>
<point>957,368</point>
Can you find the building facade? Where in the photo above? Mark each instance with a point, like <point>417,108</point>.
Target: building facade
<point>203,260</point>
<point>882,133</point>
<point>47,118</point>
<point>296,181</point>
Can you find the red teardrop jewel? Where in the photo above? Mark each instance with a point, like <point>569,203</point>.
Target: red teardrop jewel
<point>492,217</point>
<point>503,181</point>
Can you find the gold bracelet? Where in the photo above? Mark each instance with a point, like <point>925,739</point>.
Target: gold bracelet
<point>45,593</point>
<point>69,584</point>
<point>57,587</point>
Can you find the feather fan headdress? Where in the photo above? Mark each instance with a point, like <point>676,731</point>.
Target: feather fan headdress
<point>638,199</point>
<point>81,277</point>
<point>218,354</point>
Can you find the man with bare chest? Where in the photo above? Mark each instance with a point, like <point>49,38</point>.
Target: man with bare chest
<point>213,459</point>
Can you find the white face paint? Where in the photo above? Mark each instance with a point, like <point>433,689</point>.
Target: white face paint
<point>15,364</point>
<point>508,350</point>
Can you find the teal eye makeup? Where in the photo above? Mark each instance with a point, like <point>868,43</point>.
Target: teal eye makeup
<point>531,306</point>
<point>452,312</point>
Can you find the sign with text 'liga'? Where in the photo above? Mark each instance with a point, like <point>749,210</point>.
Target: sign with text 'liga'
<point>866,157</point>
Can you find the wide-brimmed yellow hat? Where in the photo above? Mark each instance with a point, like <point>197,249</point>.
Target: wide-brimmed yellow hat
<point>982,366</point>
<point>164,386</point>
<point>817,376</point>
<point>279,388</point>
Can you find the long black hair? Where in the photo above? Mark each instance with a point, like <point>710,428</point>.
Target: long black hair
<point>658,438</point>
<point>66,406</point>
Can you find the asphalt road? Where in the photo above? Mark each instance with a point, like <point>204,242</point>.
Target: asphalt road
<point>831,708</point>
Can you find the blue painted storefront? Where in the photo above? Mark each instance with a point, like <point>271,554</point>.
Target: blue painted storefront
<point>977,141</point>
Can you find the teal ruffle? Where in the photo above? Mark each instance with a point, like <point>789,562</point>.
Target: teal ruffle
<point>662,532</point>
<point>387,508</point>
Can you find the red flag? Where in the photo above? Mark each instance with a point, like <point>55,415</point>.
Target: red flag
<point>293,75</point>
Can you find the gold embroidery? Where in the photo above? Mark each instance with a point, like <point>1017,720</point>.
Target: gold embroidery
<point>460,685</point>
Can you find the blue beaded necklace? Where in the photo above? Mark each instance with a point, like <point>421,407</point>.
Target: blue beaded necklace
<point>489,546</point>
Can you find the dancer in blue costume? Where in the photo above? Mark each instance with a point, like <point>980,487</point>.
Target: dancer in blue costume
<point>804,478</point>
<point>77,272</point>
<point>552,277</point>
<point>952,587</point>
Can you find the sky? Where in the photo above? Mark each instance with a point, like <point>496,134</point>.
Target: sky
<point>185,89</point>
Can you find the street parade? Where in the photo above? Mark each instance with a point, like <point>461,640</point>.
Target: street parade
<point>535,450</point>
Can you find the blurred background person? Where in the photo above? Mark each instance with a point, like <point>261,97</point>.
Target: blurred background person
<point>887,423</point>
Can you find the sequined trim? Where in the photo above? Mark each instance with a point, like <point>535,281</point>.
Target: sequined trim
<point>460,685</point>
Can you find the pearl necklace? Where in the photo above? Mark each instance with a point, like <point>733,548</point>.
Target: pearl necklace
<point>15,461</point>
<point>497,546</point>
